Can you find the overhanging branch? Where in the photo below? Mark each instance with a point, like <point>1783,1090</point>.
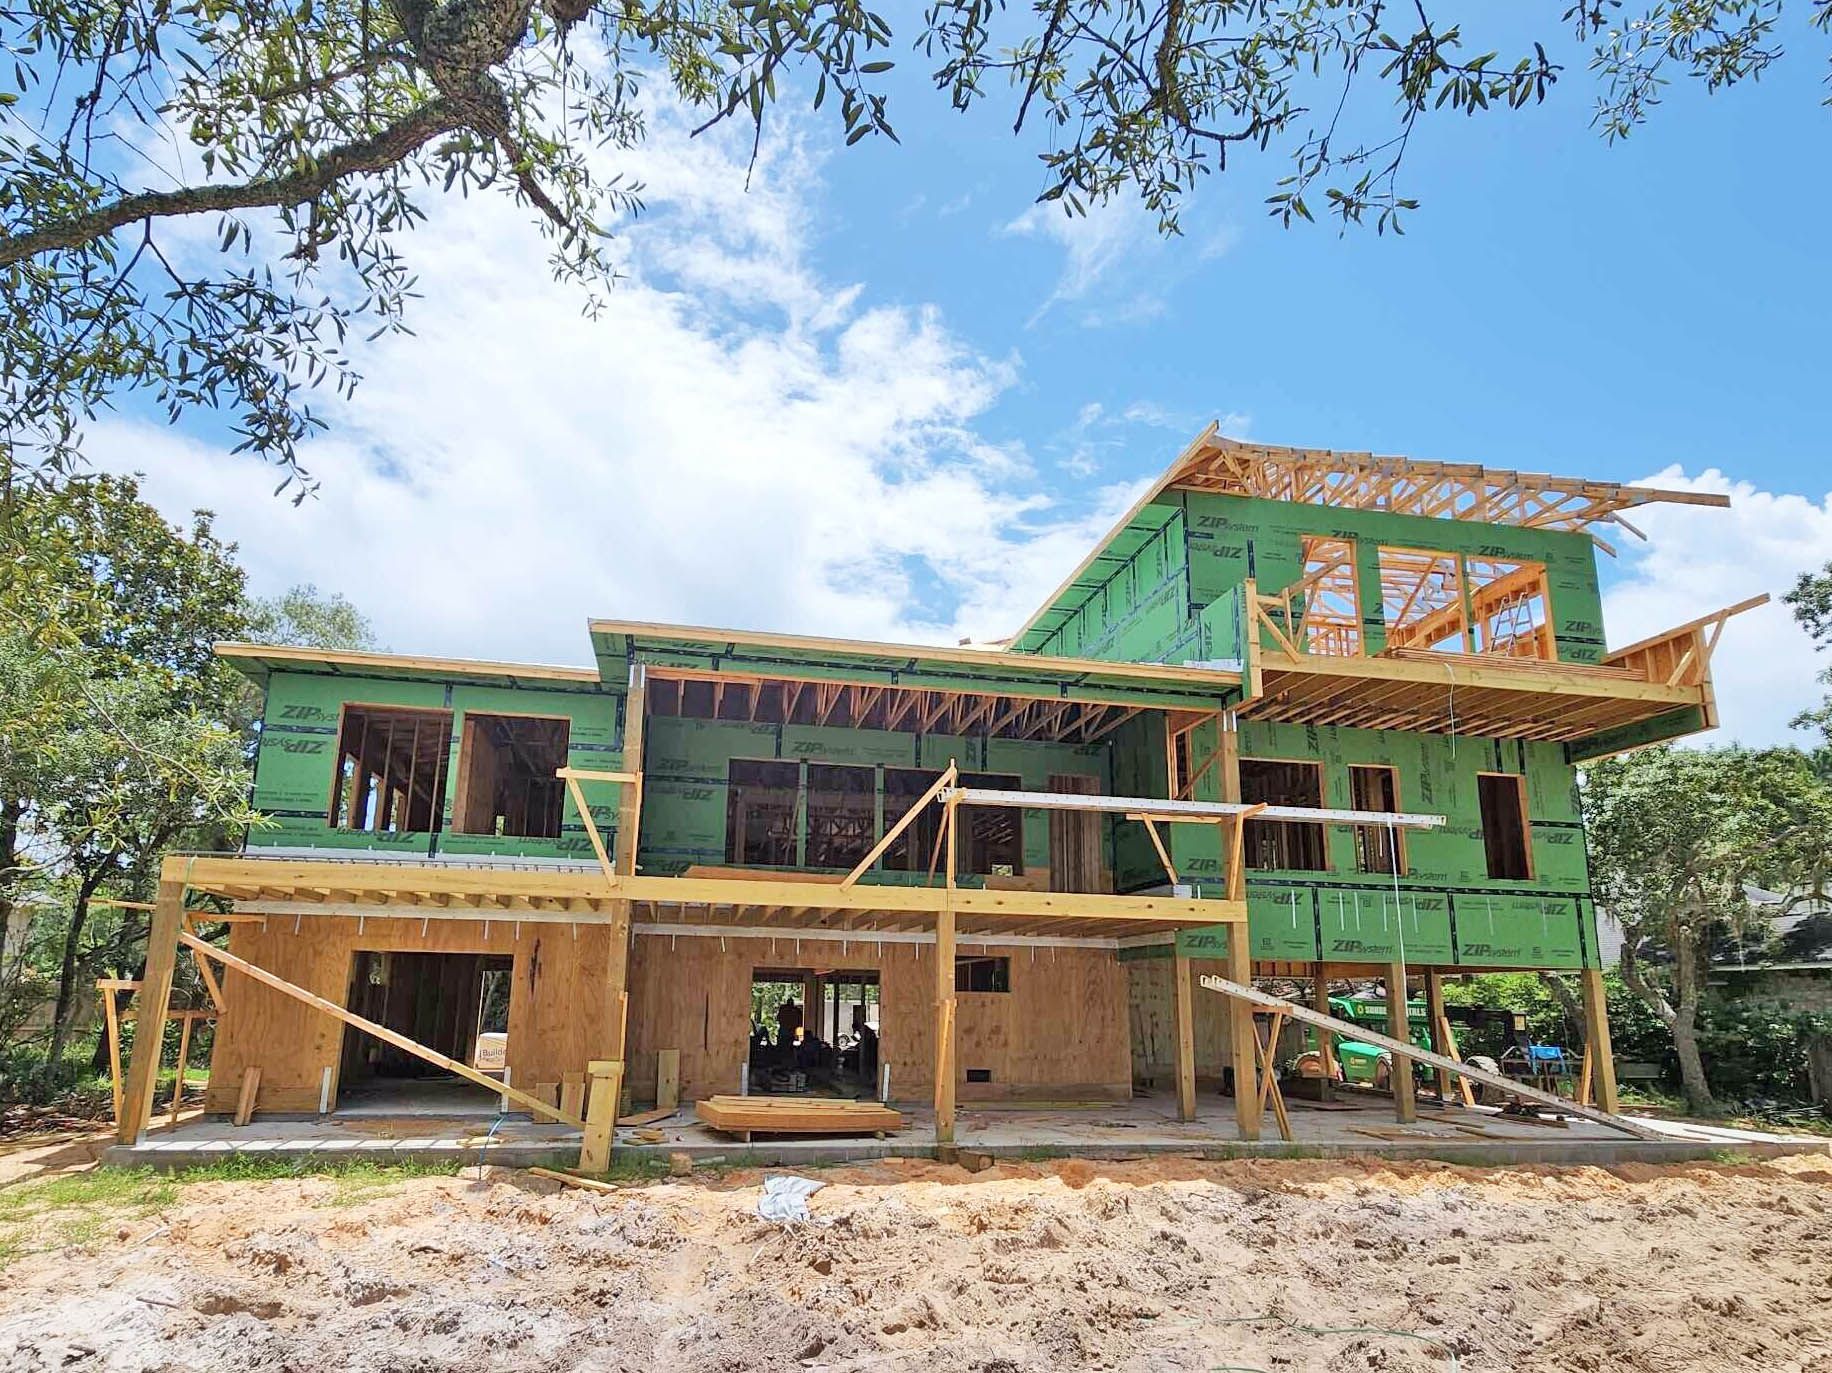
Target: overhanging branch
<point>373,154</point>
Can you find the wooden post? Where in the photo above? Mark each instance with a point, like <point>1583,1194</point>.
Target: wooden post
<point>1243,1037</point>
<point>184,1055</point>
<point>601,1114</point>
<point>154,1001</point>
<point>1439,1023</point>
<point>1596,1041</point>
<point>945,1000</point>
<point>113,1013</point>
<point>250,1093</point>
<point>1183,993</point>
<point>1399,1026</point>
<point>1326,1042</point>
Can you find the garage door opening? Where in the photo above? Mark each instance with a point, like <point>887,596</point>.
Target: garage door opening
<point>454,1003</point>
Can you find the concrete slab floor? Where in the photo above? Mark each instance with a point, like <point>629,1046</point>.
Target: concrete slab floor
<point>1144,1125</point>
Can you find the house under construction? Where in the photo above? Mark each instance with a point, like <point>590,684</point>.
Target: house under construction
<point>1300,715</point>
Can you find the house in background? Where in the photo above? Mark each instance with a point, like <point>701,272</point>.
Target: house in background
<point>1300,714</point>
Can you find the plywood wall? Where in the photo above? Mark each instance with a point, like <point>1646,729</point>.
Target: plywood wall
<point>1059,1034</point>
<point>559,1014</point>
<point>1152,1015</point>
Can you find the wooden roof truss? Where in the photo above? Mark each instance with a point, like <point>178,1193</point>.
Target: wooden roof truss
<point>1408,486</point>
<point>908,710</point>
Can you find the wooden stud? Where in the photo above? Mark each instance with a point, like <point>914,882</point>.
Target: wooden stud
<point>1269,1081</point>
<point>1597,1042</point>
<point>667,1079</point>
<point>1399,1028</point>
<point>155,999</point>
<point>1326,1043</point>
<point>113,1014</point>
<point>184,1057</point>
<point>572,1094</point>
<point>1435,1018</point>
<point>251,1089</point>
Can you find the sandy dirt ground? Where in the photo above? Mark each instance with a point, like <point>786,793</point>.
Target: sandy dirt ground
<point>1167,1263</point>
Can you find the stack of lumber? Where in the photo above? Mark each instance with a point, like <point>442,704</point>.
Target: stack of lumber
<point>797,1115</point>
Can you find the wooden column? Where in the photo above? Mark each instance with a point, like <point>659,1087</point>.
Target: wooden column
<point>944,994</point>
<point>155,998</point>
<point>1439,1022</point>
<point>1596,1042</point>
<point>629,794</point>
<point>1326,1042</point>
<point>1183,989</point>
<point>1242,1036</point>
<point>1399,1026</point>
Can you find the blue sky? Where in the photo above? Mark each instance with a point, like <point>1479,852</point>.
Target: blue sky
<point>919,396</point>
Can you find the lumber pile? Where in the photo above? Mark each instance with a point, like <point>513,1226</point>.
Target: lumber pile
<point>797,1115</point>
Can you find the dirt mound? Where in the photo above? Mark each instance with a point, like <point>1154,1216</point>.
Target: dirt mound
<point>1161,1263</point>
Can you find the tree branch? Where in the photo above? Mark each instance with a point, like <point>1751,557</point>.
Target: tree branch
<point>376,153</point>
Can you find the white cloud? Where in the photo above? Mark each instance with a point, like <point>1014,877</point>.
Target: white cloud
<point>1698,559</point>
<point>735,440</point>
<point>1117,268</point>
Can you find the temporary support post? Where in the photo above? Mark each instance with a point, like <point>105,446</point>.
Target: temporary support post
<point>1399,1028</point>
<point>1597,1049</point>
<point>155,999</point>
<point>1439,1024</point>
<point>629,802</point>
<point>1183,993</point>
<point>945,1000</point>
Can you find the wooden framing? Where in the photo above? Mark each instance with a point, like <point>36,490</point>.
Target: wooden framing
<point>1599,1053</point>
<point>1019,714</point>
<point>155,997</point>
<point>1248,995</point>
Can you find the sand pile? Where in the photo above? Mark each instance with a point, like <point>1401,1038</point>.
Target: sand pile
<point>1174,1264</point>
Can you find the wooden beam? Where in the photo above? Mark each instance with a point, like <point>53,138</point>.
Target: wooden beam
<point>155,998</point>
<point>113,1014</point>
<point>1243,1039</point>
<point>381,1032</point>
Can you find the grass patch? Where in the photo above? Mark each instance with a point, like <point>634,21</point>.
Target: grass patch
<point>76,1210</point>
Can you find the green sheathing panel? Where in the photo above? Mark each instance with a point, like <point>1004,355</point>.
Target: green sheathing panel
<point>296,760</point>
<point>1005,674</point>
<point>686,774</point>
<point>1445,910</point>
<point>1145,599</point>
<point>1675,724</point>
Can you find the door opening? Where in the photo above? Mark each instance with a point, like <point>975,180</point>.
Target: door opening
<point>454,1003</point>
<point>815,1032</point>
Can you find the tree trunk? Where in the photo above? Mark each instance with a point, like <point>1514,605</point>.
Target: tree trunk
<point>10,812</point>
<point>1692,1080</point>
<point>66,972</point>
